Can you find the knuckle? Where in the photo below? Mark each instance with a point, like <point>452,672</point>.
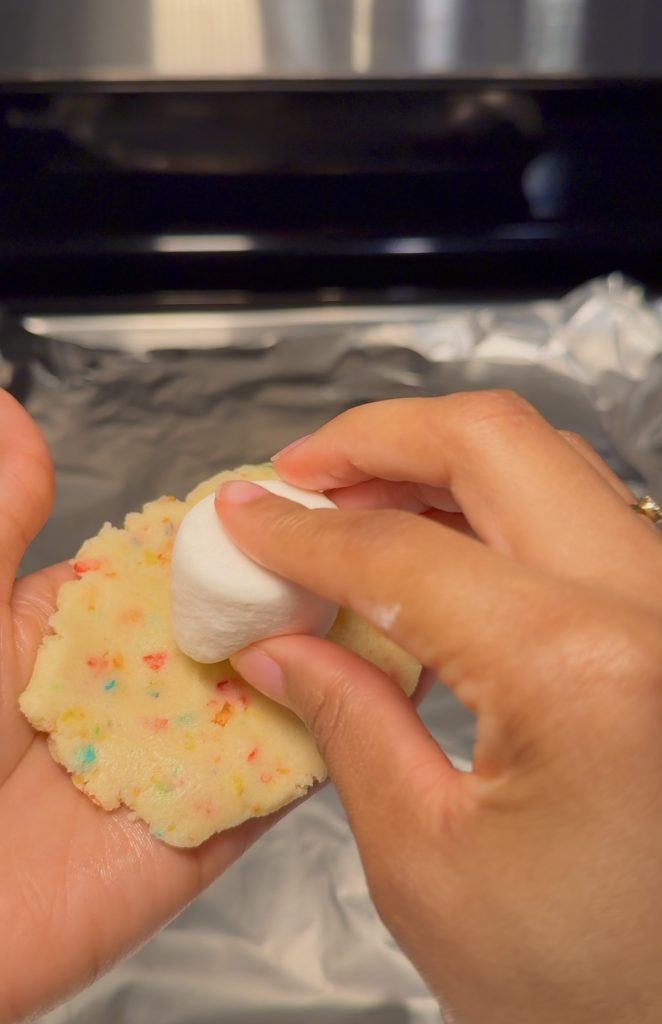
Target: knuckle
<point>363,536</point>
<point>497,409</point>
<point>326,714</point>
<point>283,535</point>
<point>357,416</point>
<point>625,658</point>
<point>577,441</point>
<point>290,523</point>
<point>617,649</point>
<point>502,402</point>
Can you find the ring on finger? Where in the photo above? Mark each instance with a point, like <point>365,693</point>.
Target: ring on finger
<point>649,508</point>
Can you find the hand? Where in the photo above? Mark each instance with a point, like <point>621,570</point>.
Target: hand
<point>80,887</point>
<point>529,889</point>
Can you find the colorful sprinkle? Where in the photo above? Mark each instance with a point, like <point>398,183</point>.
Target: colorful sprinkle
<point>223,716</point>
<point>71,714</point>
<point>164,788</point>
<point>252,754</point>
<point>155,693</point>
<point>266,777</point>
<point>86,756</point>
<point>110,685</point>
<point>186,719</point>
<point>232,693</point>
<point>83,565</point>
<point>131,615</point>
<point>98,662</point>
<point>155,660</point>
<point>156,724</point>
<point>238,784</point>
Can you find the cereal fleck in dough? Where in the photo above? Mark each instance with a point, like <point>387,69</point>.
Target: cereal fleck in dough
<point>192,749</point>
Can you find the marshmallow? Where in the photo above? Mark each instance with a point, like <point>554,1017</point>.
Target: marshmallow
<point>221,601</point>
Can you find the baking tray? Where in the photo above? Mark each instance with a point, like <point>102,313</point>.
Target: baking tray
<point>142,404</point>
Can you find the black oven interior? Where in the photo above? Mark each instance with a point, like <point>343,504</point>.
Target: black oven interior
<point>409,188</point>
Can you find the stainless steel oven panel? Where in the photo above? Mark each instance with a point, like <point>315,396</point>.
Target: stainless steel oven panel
<point>312,41</point>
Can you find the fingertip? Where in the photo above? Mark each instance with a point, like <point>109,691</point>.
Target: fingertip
<point>289,448</point>
<point>238,492</point>
<point>311,469</point>
<point>261,671</point>
<point>303,463</point>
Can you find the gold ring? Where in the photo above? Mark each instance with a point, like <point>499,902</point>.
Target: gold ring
<point>648,507</point>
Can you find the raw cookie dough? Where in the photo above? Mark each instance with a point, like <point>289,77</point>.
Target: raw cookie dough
<point>191,748</point>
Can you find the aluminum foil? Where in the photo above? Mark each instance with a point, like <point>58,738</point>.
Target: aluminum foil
<point>139,405</point>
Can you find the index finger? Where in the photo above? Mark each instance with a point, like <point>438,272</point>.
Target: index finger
<point>445,598</point>
<point>523,489</point>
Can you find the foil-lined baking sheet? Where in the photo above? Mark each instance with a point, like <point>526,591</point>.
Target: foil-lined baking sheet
<point>137,405</point>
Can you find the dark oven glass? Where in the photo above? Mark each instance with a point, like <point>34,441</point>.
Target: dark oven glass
<point>447,187</point>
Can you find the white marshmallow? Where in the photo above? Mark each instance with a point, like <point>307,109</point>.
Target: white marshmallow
<point>222,601</point>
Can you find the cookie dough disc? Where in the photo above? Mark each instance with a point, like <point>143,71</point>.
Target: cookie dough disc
<point>191,748</point>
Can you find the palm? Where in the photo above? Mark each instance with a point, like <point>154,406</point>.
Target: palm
<point>81,887</point>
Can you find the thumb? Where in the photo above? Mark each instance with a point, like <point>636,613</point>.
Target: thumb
<point>379,754</point>
<point>26,486</point>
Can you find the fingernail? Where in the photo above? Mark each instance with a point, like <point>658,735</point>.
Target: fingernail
<point>260,671</point>
<point>239,492</point>
<point>290,447</point>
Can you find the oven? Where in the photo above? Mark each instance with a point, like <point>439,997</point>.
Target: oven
<point>224,221</point>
